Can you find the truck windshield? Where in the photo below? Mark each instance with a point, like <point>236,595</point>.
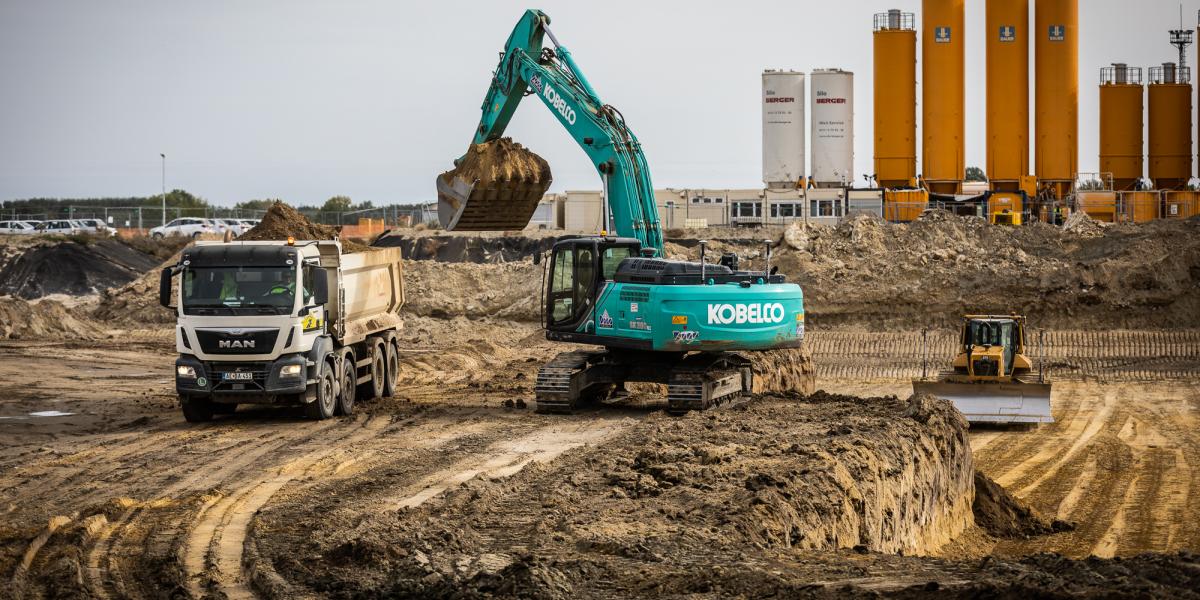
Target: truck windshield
<point>239,289</point>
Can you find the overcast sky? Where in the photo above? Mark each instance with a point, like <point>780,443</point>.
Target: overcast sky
<point>303,100</point>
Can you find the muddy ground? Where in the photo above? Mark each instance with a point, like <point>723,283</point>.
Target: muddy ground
<point>449,490</point>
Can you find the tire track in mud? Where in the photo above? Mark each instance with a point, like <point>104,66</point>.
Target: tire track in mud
<point>1118,464</point>
<point>213,550</point>
<point>507,457</point>
<point>125,538</point>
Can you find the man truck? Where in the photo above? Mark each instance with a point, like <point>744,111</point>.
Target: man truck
<point>284,323</point>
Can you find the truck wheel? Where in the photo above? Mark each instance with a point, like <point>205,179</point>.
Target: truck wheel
<point>322,407</point>
<point>346,397</point>
<point>392,379</point>
<point>196,410</point>
<point>374,388</point>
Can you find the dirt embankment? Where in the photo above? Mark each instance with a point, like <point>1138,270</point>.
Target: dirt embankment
<point>70,267</point>
<point>24,320</point>
<point>669,498</point>
<point>508,291</point>
<point>868,273</point>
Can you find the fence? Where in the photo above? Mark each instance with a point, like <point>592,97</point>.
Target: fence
<point>140,219</point>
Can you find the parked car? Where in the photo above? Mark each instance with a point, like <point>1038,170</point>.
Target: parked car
<point>183,226</point>
<point>233,225</point>
<point>17,228</point>
<point>96,226</point>
<point>248,224</point>
<point>59,226</point>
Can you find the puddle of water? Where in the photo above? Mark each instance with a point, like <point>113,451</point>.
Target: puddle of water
<point>42,413</point>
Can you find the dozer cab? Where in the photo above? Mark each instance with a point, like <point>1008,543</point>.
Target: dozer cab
<point>992,378</point>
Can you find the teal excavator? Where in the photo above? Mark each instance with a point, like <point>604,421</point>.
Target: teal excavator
<point>693,326</point>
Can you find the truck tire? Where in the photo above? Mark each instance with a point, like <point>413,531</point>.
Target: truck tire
<point>323,406</point>
<point>196,410</point>
<point>391,381</point>
<point>346,396</point>
<point>374,387</point>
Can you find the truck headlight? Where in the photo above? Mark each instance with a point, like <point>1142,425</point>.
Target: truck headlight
<point>186,372</point>
<point>290,370</point>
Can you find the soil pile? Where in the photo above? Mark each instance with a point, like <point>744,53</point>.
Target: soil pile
<point>472,249</point>
<point>665,502</point>
<point>1002,515</point>
<point>508,179</point>
<point>136,303</point>
<point>75,268</point>
<point>282,221</point>
<point>501,162</point>
<point>22,320</point>
<point>866,272</point>
<point>507,291</point>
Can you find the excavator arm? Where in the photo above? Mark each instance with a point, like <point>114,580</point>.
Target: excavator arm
<point>527,67</point>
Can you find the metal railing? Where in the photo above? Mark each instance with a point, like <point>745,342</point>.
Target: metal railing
<point>894,20</point>
<point>1120,74</point>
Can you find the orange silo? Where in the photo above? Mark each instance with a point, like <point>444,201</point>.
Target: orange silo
<point>1007,93</point>
<point>1170,139</point>
<point>895,99</point>
<point>1056,94</point>
<point>942,139</point>
<point>1121,107</point>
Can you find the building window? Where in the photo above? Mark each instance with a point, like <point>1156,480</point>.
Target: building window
<point>826,208</point>
<point>746,209</point>
<point>708,200</point>
<point>785,210</point>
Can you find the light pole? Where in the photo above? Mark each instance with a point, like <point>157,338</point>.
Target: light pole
<point>164,187</point>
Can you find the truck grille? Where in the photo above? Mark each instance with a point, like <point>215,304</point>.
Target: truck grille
<point>252,341</point>
<point>259,370</point>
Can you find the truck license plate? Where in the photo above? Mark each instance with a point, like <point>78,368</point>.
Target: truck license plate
<point>238,376</point>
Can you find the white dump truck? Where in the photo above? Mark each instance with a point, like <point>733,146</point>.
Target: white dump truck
<point>288,323</point>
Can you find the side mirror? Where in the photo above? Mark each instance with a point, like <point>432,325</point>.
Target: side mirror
<point>320,287</point>
<point>164,288</point>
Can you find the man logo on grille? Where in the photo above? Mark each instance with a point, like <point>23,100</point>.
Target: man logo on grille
<point>244,344</point>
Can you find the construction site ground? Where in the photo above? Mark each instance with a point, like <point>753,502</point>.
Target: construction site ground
<point>452,488</point>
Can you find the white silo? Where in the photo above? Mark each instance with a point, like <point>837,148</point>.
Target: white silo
<point>783,128</point>
<point>832,128</point>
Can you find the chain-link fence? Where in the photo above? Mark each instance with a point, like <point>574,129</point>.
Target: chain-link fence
<point>140,219</point>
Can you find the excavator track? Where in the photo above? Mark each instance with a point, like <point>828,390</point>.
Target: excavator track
<point>563,381</point>
<point>694,382</point>
<point>702,381</point>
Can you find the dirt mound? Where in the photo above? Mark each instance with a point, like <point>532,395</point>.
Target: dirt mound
<point>282,221</point>
<point>1002,515</point>
<point>472,249</point>
<point>136,303</point>
<point>22,320</point>
<point>501,162</point>
<point>74,268</point>
<point>866,272</point>
<point>446,290</point>
<point>644,512</point>
<point>784,371</point>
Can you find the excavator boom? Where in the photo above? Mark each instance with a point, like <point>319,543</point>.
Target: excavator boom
<point>504,195</point>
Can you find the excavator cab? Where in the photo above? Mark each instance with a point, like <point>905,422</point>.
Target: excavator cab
<point>990,345</point>
<point>578,270</point>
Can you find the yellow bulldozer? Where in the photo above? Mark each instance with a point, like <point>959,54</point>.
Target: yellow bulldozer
<point>992,378</point>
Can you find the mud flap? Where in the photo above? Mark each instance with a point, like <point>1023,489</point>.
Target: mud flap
<point>504,206</point>
<point>984,402</point>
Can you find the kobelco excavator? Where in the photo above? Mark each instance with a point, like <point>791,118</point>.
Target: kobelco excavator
<point>992,378</point>
<point>683,324</point>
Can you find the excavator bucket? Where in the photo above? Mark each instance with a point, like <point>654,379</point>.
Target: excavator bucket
<point>987,402</point>
<point>496,186</point>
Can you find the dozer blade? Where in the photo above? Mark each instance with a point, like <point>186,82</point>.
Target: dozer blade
<point>495,186</point>
<point>503,206</point>
<point>985,402</point>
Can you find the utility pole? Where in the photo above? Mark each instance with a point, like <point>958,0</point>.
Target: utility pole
<point>164,187</point>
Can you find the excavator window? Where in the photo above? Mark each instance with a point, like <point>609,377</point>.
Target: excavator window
<point>613,255</point>
<point>572,283</point>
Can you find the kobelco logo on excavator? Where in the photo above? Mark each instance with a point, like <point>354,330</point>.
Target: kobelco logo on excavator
<point>554,98</point>
<point>724,314</point>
